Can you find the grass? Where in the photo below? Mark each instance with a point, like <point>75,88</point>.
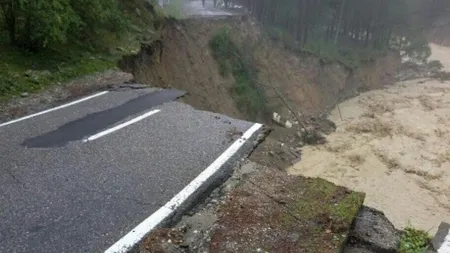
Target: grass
<point>334,203</point>
<point>248,95</point>
<point>22,71</point>
<point>414,241</point>
<point>30,72</point>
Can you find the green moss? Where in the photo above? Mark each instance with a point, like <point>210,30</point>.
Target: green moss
<point>348,207</point>
<point>324,200</point>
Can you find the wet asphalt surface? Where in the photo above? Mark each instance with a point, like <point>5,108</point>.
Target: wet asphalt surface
<point>59,194</point>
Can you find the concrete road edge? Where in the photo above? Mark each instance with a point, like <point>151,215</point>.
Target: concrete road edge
<point>210,178</point>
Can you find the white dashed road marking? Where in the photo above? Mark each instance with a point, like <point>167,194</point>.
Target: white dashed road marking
<point>118,127</point>
<point>53,109</point>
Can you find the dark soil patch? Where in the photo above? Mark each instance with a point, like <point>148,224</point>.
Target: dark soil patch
<point>267,211</point>
<point>274,212</point>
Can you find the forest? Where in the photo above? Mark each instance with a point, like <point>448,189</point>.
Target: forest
<point>366,25</point>
<point>69,38</point>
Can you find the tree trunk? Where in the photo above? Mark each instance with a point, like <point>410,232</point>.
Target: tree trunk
<point>8,10</point>
<point>338,29</point>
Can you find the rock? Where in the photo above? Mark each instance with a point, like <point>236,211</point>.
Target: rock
<point>138,12</point>
<point>24,94</point>
<point>373,231</point>
<point>288,124</point>
<point>315,138</point>
<point>29,72</point>
<point>280,121</point>
<point>45,73</point>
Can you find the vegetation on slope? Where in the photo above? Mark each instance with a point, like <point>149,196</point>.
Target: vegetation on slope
<point>50,42</point>
<point>414,241</point>
<point>248,95</point>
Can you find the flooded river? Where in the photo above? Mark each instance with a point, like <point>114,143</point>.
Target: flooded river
<point>394,145</point>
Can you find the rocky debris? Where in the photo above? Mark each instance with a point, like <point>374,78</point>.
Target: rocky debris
<point>373,232</point>
<point>138,12</point>
<point>37,73</point>
<point>277,154</point>
<point>281,121</point>
<point>283,147</point>
<point>264,210</point>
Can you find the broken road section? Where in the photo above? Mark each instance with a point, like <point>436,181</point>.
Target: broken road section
<point>264,210</point>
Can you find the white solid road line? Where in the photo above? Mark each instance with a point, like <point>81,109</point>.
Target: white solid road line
<point>144,228</point>
<point>445,247</point>
<point>53,109</point>
<point>125,124</point>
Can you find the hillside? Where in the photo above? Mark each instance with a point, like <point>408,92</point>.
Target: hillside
<point>185,61</point>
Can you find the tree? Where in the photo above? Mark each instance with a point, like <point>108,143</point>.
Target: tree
<point>368,24</point>
<point>35,24</point>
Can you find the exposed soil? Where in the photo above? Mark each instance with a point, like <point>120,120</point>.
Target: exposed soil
<point>269,211</point>
<point>183,60</point>
<point>393,145</point>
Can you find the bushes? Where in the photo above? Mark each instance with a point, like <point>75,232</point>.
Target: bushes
<point>414,241</point>
<point>248,95</point>
<point>37,24</point>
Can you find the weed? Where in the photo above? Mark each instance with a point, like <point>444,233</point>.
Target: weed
<point>414,241</point>
<point>30,72</point>
<point>248,95</point>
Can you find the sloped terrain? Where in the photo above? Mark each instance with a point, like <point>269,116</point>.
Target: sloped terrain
<point>183,60</point>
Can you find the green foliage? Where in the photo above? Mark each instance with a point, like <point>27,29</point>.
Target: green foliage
<point>34,24</point>
<point>28,72</point>
<point>417,49</point>
<point>57,40</point>
<point>247,94</point>
<point>326,51</point>
<point>37,24</point>
<point>435,65</point>
<point>99,18</point>
<point>414,241</point>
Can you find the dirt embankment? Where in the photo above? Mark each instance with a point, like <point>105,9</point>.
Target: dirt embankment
<point>184,60</point>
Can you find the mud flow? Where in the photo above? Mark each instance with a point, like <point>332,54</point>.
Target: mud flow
<point>394,145</point>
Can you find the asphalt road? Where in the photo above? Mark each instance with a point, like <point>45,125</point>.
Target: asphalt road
<point>195,8</point>
<point>63,192</point>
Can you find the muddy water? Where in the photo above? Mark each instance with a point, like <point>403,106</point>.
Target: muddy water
<point>394,145</point>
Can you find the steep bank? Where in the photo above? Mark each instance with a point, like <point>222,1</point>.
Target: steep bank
<point>184,60</point>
